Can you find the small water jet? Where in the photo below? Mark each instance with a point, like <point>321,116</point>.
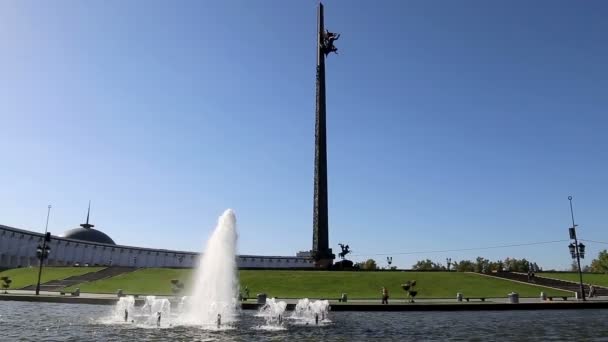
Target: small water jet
<point>124,308</point>
<point>156,311</point>
<point>147,315</point>
<point>273,312</point>
<point>309,312</point>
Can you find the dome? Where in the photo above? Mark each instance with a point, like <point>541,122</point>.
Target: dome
<point>88,234</point>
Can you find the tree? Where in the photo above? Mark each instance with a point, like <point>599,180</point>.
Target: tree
<point>427,265</point>
<point>497,266</point>
<point>409,288</point>
<point>600,264</point>
<point>369,264</point>
<point>6,283</point>
<point>482,265</point>
<point>517,265</point>
<point>574,267</point>
<point>177,286</point>
<point>464,266</point>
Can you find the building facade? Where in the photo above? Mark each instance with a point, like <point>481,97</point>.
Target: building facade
<point>18,249</point>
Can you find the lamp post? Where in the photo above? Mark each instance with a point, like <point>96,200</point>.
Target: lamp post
<point>43,251</point>
<point>577,249</point>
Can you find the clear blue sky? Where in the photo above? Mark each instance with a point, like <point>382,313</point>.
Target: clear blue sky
<point>452,124</point>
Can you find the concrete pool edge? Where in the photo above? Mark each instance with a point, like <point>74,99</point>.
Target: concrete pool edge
<point>457,306</point>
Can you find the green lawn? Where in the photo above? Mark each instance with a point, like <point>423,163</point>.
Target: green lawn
<point>155,281</point>
<point>321,284</point>
<point>588,278</point>
<point>289,284</point>
<point>26,276</point>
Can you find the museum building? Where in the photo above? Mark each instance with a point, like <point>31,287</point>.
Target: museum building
<point>86,246</point>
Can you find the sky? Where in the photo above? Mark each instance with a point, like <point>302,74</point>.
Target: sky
<point>451,124</point>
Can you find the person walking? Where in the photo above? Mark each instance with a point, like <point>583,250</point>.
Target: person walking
<point>591,291</point>
<point>384,295</point>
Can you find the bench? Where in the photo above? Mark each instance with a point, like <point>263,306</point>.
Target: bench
<point>483,299</point>
<point>562,297</point>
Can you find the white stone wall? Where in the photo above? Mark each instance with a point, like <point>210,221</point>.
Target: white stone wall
<point>18,249</point>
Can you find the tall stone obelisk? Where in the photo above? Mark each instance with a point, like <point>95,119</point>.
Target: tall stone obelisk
<point>321,252</point>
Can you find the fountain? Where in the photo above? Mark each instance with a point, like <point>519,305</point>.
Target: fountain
<point>215,283</point>
<point>154,307</point>
<point>309,312</point>
<point>273,312</point>
<point>213,303</point>
<point>214,299</point>
<point>147,315</point>
<point>124,305</point>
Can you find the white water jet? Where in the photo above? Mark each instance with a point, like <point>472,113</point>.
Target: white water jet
<point>124,304</point>
<point>145,316</point>
<point>273,312</point>
<point>215,283</point>
<point>311,312</point>
<point>154,307</point>
<point>183,302</point>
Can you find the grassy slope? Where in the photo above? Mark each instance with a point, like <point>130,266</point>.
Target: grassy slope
<point>23,277</point>
<point>144,281</point>
<point>588,278</point>
<point>318,284</point>
<point>368,284</point>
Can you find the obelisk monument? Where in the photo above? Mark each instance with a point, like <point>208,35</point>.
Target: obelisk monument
<point>321,252</point>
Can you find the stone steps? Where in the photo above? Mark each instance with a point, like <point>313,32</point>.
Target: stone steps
<point>550,282</point>
<point>57,285</point>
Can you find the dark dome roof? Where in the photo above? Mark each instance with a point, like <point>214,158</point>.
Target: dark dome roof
<point>88,234</point>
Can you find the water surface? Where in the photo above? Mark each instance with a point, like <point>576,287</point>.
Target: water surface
<point>23,321</point>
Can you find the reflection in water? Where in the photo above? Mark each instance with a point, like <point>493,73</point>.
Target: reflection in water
<point>79,322</point>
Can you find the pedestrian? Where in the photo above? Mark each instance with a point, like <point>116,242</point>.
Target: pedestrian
<point>591,291</point>
<point>384,295</point>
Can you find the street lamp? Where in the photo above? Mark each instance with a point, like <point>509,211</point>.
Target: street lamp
<point>581,250</point>
<point>43,251</point>
<point>577,249</point>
